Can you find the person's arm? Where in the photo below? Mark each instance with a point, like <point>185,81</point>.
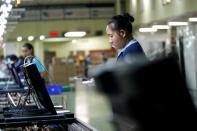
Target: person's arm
<point>43,74</point>
<point>40,67</point>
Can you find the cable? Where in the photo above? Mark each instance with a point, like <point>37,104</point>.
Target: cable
<point>37,102</point>
<point>24,62</point>
<point>23,104</point>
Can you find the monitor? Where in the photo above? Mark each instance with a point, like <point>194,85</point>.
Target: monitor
<point>37,82</point>
<point>154,94</point>
<point>15,75</point>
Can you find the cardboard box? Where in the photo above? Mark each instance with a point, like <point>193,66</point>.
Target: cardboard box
<point>61,71</point>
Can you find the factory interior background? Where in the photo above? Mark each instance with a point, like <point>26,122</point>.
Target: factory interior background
<point>67,33</point>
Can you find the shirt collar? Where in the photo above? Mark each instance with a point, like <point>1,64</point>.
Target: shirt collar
<point>130,43</point>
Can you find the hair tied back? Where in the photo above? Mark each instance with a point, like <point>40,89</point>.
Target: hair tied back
<point>128,17</point>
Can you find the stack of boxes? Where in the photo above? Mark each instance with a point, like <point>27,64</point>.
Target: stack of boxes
<point>96,58</point>
<point>61,71</point>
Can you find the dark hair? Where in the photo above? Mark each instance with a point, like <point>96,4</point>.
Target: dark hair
<point>29,46</point>
<point>123,22</point>
<point>13,57</point>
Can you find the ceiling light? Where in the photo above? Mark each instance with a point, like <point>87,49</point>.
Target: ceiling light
<point>1,33</point>
<point>18,10</point>
<point>193,19</point>
<point>15,17</point>
<point>56,39</point>
<point>8,1</point>
<point>75,34</point>
<point>177,23</point>
<point>19,38</point>
<point>2,27</point>
<point>9,7</point>
<point>12,23</point>
<point>18,2</point>
<point>3,7</point>
<point>147,30</point>
<point>161,26</point>
<point>30,38</point>
<point>42,37</point>
<point>3,21</point>
<point>5,15</point>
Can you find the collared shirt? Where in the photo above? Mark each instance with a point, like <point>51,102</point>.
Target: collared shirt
<point>130,43</point>
<point>133,48</point>
<point>38,64</point>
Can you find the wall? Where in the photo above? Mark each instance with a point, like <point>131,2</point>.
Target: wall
<point>146,11</point>
<point>92,43</point>
<point>38,28</point>
<point>152,43</point>
<point>62,49</point>
<point>1,51</point>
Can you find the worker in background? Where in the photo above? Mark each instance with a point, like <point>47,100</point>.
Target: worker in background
<point>13,59</point>
<point>28,51</point>
<point>104,58</point>
<point>86,62</point>
<point>80,60</point>
<point>119,30</point>
<point>19,63</point>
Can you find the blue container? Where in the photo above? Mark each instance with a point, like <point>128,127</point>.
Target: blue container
<point>55,89</point>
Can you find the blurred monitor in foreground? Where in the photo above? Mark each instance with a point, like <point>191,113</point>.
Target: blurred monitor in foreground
<point>148,96</point>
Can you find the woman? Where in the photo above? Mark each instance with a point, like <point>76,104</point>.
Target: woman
<point>28,51</point>
<point>119,30</point>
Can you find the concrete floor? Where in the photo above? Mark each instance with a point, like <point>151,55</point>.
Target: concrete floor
<point>88,105</point>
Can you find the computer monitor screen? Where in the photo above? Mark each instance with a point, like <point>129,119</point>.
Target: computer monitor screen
<point>33,76</point>
<point>14,74</point>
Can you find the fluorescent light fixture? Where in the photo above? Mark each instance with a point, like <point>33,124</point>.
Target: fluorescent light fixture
<point>18,9</point>
<point>9,7</point>
<point>18,2</point>
<point>3,21</point>
<point>1,33</point>
<point>19,38</point>
<point>2,27</point>
<point>193,19</point>
<point>3,7</point>
<point>75,34</point>
<point>42,37</point>
<point>57,39</point>
<point>147,30</point>
<point>8,1</point>
<point>5,15</point>
<point>15,17</point>
<point>161,27</point>
<point>177,23</point>
<point>30,38</point>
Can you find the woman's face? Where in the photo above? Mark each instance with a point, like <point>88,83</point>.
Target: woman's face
<point>116,39</point>
<point>26,52</point>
